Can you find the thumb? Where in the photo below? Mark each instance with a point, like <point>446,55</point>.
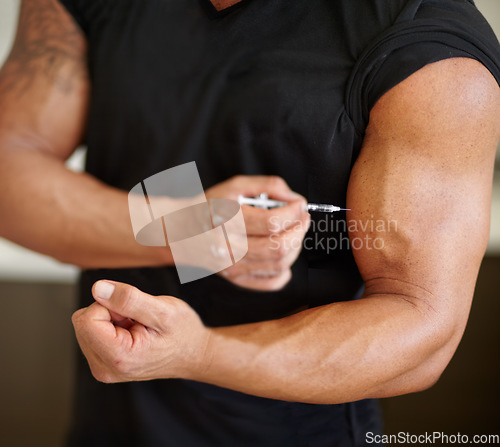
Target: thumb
<point>128,302</point>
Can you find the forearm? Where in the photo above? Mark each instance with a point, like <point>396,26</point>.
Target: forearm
<point>70,216</point>
<point>373,347</point>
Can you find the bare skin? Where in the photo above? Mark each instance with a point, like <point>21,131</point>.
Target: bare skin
<point>426,161</point>
<point>223,4</point>
<point>73,217</point>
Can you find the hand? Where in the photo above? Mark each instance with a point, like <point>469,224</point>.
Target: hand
<point>274,236</point>
<point>129,335</point>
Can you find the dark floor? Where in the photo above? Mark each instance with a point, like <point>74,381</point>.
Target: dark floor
<point>37,353</point>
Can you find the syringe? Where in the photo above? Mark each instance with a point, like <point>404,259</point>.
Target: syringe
<point>324,208</point>
<point>263,201</point>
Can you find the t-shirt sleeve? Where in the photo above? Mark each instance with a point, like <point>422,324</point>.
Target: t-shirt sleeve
<point>74,7</point>
<point>439,29</point>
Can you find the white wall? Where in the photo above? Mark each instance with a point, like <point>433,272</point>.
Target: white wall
<point>19,263</point>
<point>491,10</point>
<point>8,17</point>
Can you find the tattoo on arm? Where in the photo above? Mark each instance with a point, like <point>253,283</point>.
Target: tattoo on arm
<point>49,48</point>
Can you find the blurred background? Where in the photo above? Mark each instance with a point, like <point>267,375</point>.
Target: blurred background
<point>37,348</point>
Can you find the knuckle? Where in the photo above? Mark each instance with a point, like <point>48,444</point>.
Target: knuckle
<point>102,374</point>
<point>231,272</point>
<point>119,364</point>
<point>79,320</point>
<point>274,285</point>
<point>105,377</point>
<point>75,318</point>
<point>278,249</point>
<point>237,179</point>
<point>164,316</point>
<point>273,225</point>
<point>281,281</point>
<point>120,367</point>
<point>299,229</point>
<point>281,265</point>
<point>170,312</point>
<point>275,182</point>
<point>282,250</point>
<point>129,298</point>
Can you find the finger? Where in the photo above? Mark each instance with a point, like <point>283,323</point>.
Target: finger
<point>101,313</point>
<point>95,312</point>
<point>278,245</point>
<point>275,187</point>
<point>96,332</point>
<point>130,302</point>
<point>276,261</point>
<point>121,321</point>
<point>260,222</point>
<point>258,270</point>
<point>264,283</point>
<point>97,322</point>
<point>270,255</point>
<point>263,267</point>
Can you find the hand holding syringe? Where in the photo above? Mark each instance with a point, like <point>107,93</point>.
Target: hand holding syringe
<point>263,201</point>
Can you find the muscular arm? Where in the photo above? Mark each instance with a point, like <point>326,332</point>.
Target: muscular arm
<point>44,91</point>
<point>426,166</point>
<point>424,178</point>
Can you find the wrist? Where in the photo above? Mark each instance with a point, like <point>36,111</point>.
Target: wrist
<point>154,256</point>
<point>227,357</point>
<point>199,365</point>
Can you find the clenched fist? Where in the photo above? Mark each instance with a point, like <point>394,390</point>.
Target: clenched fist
<point>130,335</point>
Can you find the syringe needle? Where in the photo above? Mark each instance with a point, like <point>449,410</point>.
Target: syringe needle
<point>262,201</point>
<point>324,208</point>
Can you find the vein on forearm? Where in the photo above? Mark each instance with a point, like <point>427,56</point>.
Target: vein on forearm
<point>331,354</point>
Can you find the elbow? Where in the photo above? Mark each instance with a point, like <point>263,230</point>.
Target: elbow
<point>440,348</point>
<point>424,376</point>
<point>434,343</point>
<point>428,376</point>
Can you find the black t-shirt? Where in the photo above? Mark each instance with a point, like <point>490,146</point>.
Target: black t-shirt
<point>268,87</point>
